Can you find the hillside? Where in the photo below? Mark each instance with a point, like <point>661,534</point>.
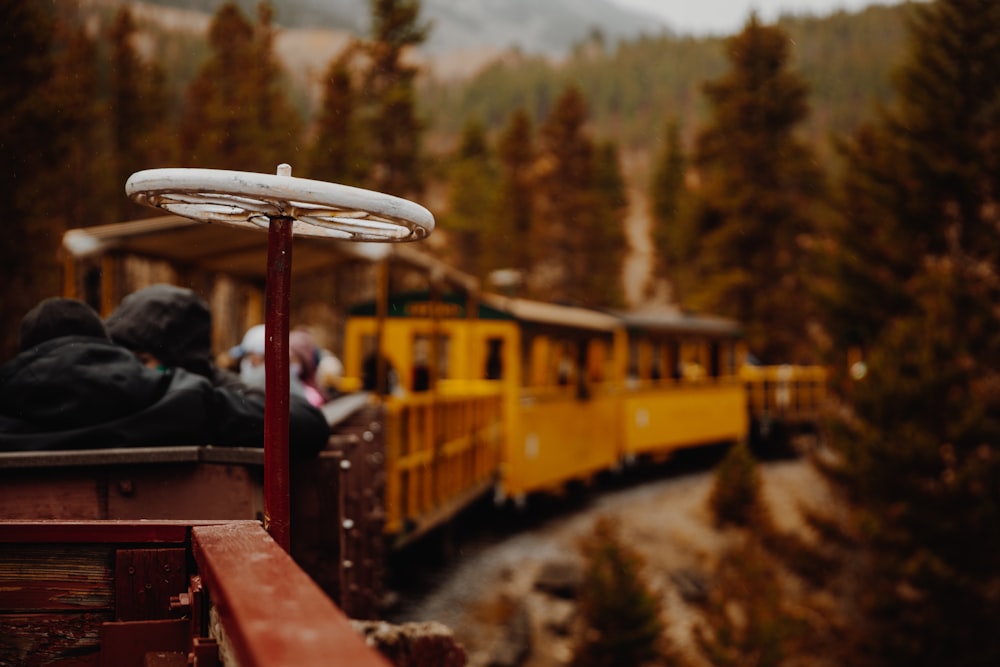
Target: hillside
<point>632,86</point>
<point>486,59</point>
<point>551,27</point>
<point>635,86</point>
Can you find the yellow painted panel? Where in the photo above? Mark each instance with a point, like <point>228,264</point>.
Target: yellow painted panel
<point>678,416</point>
<point>560,439</point>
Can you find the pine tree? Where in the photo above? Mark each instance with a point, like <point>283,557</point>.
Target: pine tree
<point>760,187</point>
<point>920,443</point>
<point>622,624</point>
<point>278,122</point>
<point>604,244</point>
<point>26,125</point>
<point>566,203</point>
<point>391,118</point>
<point>338,154</point>
<point>736,490</point>
<point>236,116</point>
<point>515,208</point>
<point>471,198</point>
<point>137,111</point>
<point>672,235</point>
<point>76,187</point>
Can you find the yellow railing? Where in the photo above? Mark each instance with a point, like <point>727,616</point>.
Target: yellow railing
<point>791,393</point>
<point>442,451</point>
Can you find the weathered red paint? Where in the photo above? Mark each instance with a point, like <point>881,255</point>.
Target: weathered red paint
<point>272,612</point>
<point>277,305</point>
<point>98,532</point>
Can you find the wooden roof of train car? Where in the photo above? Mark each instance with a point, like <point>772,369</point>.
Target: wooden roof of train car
<point>241,252</point>
<point>675,321</point>
<point>491,307</point>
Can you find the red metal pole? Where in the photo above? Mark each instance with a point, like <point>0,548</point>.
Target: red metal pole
<point>277,306</point>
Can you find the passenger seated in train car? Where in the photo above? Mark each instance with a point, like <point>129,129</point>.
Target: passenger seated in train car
<point>170,326</point>
<point>72,387</point>
<point>303,363</point>
<point>250,357</point>
<point>306,357</point>
<point>330,374</point>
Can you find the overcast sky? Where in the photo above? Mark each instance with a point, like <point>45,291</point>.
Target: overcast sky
<point>728,16</point>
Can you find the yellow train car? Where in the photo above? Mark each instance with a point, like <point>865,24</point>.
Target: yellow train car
<point>571,392</point>
<point>683,385</point>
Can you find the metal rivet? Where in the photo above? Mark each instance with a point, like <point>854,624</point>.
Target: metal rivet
<point>345,464</point>
<point>368,436</point>
<point>347,564</point>
<point>348,524</point>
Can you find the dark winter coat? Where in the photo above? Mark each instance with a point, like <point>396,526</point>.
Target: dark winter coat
<point>79,392</point>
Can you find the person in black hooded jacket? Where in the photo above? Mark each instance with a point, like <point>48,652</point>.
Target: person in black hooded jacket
<point>71,387</point>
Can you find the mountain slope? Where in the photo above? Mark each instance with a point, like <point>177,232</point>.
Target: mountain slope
<point>549,27</point>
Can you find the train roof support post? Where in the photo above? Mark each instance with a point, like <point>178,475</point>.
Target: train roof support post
<point>286,207</point>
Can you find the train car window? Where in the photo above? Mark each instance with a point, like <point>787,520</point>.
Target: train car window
<point>656,363</point>
<point>714,359</point>
<point>566,369</point>
<point>444,356</point>
<point>421,373</point>
<point>674,352</point>
<point>494,359</point>
<point>596,361</point>
<point>582,352</point>
<point>633,359</point>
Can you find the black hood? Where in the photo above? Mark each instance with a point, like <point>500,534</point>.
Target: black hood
<point>75,381</point>
<point>57,317</point>
<point>172,323</point>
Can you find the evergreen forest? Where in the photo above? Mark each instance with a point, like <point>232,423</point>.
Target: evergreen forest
<point>830,183</point>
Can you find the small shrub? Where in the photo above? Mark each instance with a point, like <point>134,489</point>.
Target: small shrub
<point>746,620</point>
<point>736,497</point>
<point>621,616</point>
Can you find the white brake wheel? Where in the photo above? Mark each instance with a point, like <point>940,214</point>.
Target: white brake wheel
<point>248,199</point>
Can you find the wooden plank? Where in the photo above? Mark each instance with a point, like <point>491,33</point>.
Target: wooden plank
<point>50,494</point>
<point>51,640</point>
<point>145,580</point>
<point>99,532</point>
<point>125,644</point>
<point>271,611</point>
<point>56,578</point>
<point>189,491</point>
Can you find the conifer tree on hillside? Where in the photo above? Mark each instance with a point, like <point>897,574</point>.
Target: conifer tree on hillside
<point>471,198</point>
<point>921,444</point>
<point>236,115</point>
<point>673,240</point>
<point>621,615</point>
<point>604,244</point>
<point>338,152</point>
<point>26,124</point>
<point>758,198</point>
<point>515,207</point>
<point>390,115</point>
<point>566,200</point>
<point>138,112</point>
<point>278,121</point>
<point>79,183</point>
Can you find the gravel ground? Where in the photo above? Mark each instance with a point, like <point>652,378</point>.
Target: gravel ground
<point>488,597</point>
